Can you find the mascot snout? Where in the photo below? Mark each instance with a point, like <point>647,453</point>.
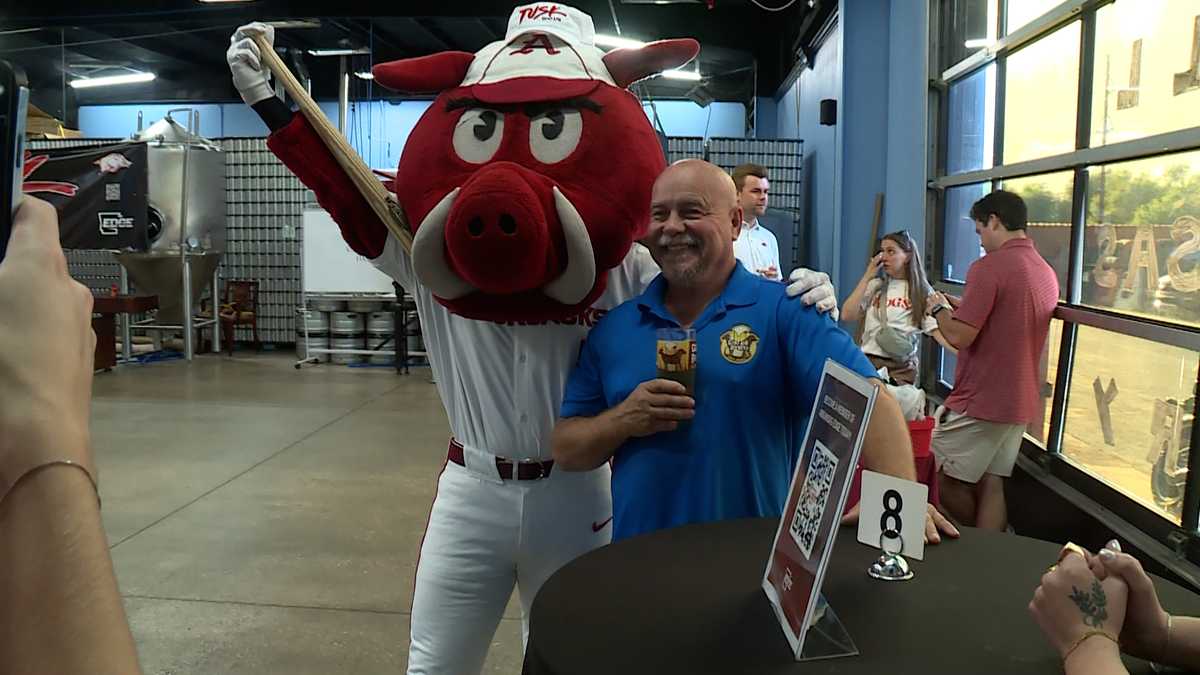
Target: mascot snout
<point>498,234</point>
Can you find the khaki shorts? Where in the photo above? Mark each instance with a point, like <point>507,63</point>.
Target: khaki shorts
<point>966,447</point>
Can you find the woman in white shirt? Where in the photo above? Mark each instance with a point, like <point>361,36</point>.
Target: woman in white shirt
<point>893,314</point>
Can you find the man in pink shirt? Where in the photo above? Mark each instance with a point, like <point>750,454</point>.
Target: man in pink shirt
<point>999,328</point>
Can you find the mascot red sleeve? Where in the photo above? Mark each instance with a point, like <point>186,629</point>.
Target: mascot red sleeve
<point>526,184</point>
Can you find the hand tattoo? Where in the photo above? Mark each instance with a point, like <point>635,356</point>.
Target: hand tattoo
<point>1094,605</point>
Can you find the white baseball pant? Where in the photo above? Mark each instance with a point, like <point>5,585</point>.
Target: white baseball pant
<point>483,536</point>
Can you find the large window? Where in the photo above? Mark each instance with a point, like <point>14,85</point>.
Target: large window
<point>972,101</point>
<point>1129,415</point>
<point>1040,90</point>
<point>1143,238</point>
<point>1088,110</point>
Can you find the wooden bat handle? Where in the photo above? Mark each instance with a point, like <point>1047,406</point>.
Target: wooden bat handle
<point>356,169</point>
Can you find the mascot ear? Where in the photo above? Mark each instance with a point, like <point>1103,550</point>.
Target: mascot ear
<point>424,74</point>
<point>630,65</point>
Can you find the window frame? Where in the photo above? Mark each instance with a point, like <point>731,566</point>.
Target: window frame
<point>1183,538</point>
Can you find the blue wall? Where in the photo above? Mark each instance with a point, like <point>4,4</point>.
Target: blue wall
<point>908,97</point>
<point>378,129</point>
<point>863,118</point>
<point>798,116</point>
<point>684,118</point>
<point>766,117</point>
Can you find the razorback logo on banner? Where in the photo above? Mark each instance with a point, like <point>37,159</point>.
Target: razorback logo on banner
<point>100,193</point>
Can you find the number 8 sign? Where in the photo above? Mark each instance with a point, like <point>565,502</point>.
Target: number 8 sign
<point>893,510</point>
<point>890,522</point>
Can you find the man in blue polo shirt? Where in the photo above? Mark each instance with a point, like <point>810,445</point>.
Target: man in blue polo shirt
<point>729,452</point>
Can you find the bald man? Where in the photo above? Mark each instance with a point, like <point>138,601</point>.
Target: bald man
<point>728,451</point>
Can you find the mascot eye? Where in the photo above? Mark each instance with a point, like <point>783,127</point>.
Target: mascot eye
<point>555,134</point>
<point>478,134</point>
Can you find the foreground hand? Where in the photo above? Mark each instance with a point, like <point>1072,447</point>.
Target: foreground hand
<point>814,288</point>
<point>873,266</point>
<point>47,346</point>
<point>936,525</point>
<point>1145,631</point>
<point>1071,601</point>
<point>250,77</point>
<point>655,406</point>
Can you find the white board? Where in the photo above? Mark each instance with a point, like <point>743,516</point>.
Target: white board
<point>331,266</point>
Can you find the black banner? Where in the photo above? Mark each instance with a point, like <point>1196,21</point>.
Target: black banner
<point>100,193</point>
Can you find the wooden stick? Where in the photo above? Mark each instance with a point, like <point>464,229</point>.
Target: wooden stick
<point>356,169</point>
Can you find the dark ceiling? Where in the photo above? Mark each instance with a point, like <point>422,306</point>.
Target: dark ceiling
<point>745,49</point>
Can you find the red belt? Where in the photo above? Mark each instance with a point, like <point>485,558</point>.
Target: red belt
<point>531,470</point>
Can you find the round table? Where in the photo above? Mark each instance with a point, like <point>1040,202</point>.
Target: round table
<point>689,600</point>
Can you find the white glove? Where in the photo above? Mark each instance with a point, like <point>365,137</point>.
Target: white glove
<point>814,288</point>
<point>245,61</point>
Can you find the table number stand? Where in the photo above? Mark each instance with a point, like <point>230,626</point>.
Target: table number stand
<point>891,565</point>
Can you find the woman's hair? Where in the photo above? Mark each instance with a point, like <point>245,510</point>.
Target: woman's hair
<point>918,285</point>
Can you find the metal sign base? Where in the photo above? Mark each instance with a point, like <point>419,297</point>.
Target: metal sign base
<point>891,566</point>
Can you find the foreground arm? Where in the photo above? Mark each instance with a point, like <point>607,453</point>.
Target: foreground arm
<point>61,612</point>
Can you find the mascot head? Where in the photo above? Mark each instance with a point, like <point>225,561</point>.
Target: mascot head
<point>529,177</point>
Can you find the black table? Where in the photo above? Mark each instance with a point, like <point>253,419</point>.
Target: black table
<point>689,600</point>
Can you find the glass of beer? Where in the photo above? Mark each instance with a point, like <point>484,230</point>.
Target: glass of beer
<point>676,357</point>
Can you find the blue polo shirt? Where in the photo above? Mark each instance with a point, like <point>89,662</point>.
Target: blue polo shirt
<point>760,356</point>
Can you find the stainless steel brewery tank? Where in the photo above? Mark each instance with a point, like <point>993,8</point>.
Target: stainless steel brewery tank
<point>186,223</point>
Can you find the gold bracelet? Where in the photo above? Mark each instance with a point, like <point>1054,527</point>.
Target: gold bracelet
<point>45,465</point>
<point>1085,636</point>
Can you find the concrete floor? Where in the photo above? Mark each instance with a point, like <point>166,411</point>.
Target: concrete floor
<point>267,520</point>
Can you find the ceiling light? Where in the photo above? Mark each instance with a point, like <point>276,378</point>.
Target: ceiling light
<point>295,23</point>
<point>620,42</point>
<point>366,75</point>
<point>124,78</point>
<point>339,52</point>
<point>977,43</point>
<point>676,74</point>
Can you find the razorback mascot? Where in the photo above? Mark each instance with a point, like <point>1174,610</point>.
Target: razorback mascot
<point>526,183</point>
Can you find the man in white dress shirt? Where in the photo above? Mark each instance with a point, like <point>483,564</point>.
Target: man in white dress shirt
<point>756,246</point>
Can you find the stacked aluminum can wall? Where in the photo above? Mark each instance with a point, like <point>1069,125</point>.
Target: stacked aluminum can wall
<point>784,160</point>
<point>265,205</point>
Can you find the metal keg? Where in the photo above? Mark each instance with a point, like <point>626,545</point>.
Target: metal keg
<point>314,322</point>
<point>347,342</point>
<point>381,359</point>
<point>380,323</point>
<point>415,344</point>
<point>365,306</point>
<point>328,305</point>
<point>346,323</point>
<point>314,342</point>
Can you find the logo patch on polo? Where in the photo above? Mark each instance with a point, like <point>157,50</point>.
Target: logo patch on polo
<point>739,344</point>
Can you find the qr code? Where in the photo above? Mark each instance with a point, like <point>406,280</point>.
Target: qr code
<point>813,495</point>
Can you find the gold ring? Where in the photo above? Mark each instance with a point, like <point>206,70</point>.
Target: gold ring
<point>1070,548</point>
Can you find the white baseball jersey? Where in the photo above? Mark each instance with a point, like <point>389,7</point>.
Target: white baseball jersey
<point>757,248</point>
<point>497,401</point>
